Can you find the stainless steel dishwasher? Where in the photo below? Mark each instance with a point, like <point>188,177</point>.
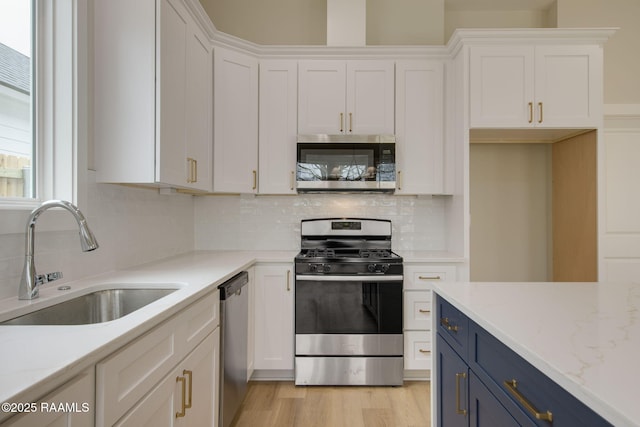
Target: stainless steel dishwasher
<point>234,317</point>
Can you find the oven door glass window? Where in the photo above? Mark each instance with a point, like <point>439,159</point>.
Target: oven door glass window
<point>346,307</point>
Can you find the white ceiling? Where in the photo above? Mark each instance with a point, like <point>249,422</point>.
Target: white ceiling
<point>498,4</point>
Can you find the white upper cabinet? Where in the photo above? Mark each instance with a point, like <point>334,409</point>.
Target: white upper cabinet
<point>235,148</point>
<point>419,127</point>
<point>153,96</point>
<point>523,86</point>
<point>348,97</point>
<point>199,116</point>
<point>278,126</point>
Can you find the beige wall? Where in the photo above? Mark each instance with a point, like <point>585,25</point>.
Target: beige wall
<point>275,22</point>
<point>304,22</point>
<point>621,58</point>
<point>405,22</point>
<point>497,19</point>
<point>510,204</point>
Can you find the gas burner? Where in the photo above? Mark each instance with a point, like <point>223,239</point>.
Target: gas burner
<point>375,253</point>
<point>320,253</point>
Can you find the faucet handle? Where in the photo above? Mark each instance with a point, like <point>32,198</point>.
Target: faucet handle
<point>54,276</point>
<point>49,277</point>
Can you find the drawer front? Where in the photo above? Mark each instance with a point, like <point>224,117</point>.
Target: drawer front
<point>520,386</point>
<point>417,350</point>
<point>200,319</point>
<point>417,310</point>
<point>127,375</point>
<point>424,276</point>
<point>453,325</point>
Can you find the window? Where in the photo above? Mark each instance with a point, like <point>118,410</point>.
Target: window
<point>57,96</point>
<point>16,89</point>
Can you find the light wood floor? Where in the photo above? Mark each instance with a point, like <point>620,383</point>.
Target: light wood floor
<point>282,404</point>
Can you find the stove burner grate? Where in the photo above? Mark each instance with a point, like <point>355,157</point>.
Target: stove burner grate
<point>321,253</point>
<point>375,253</point>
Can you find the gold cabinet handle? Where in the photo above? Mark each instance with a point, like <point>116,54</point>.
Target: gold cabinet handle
<point>350,122</point>
<point>429,277</point>
<point>424,311</point>
<point>531,112</point>
<point>189,374</point>
<point>399,180</point>
<point>288,280</point>
<point>424,351</point>
<point>540,110</point>
<point>341,122</point>
<point>195,170</point>
<point>190,161</point>
<point>293,180</point>
<point>255,179</point>
<point>182,380</point>
<point>459,410</point>
<point>444,321</point>
<point>512,387</point>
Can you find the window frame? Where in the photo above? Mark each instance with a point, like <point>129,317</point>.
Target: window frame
<point>60,110</point>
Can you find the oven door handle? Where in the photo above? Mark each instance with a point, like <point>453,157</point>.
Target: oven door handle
<point>354,278</point>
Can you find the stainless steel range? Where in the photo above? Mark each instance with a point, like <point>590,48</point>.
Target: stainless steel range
<point>348,304</point>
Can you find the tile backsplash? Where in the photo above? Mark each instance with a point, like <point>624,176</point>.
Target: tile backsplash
<point>273,222</point>
<point>132,226</point>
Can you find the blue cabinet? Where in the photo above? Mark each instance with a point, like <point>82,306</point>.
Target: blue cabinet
<point>482,382</point>
<point>452,386</point>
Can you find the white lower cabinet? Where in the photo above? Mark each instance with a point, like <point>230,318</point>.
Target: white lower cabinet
<point>274,317</point>
<point>187,395</point>
<point>70,405</point>
<point>418,285</point>
<point>145,382</point>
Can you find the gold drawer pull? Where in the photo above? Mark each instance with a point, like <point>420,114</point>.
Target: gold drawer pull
<point>424,311</point>
<point>182,380</point>
<point>424,351</point>
<point>429,277</point>
<point>444,321</point>
<point>512,386</point>
<point>189,374</point>
<point>459,411</point>
<point>530,112</point>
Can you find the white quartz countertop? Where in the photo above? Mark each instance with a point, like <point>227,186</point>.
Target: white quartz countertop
<point>584,336</point>
<point>35,359</point>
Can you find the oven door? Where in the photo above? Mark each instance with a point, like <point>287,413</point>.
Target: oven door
<point>348,315</point>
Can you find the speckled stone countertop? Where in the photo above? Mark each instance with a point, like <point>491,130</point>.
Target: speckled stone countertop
<point>584,336</point>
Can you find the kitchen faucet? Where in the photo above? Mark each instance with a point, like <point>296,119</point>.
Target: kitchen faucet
<point>31,281</point>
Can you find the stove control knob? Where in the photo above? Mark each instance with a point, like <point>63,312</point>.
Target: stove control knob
<point>313,268</point>
<point>384,267</point>
<point>326,268</point>
<point>372,267</point>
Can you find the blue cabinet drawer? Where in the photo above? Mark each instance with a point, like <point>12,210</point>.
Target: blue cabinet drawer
<point>527,393</point>
<point>453,326</point>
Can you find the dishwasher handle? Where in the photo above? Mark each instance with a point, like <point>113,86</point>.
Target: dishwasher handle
<point>233,285</point>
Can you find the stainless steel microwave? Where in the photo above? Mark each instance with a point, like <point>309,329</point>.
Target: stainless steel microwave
<point>346,163</point>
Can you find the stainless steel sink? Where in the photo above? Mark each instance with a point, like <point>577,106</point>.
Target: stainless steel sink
<point>96,307</point>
